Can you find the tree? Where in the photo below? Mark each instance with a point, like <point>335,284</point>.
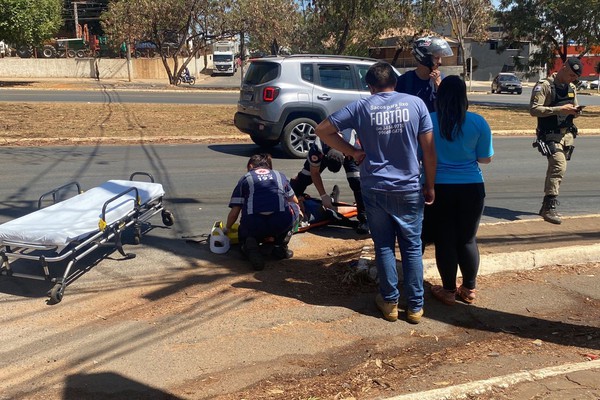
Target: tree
<point>28,22</point>
<point>350,27</point>
<point>552,25</point>
<point>469,19</point>
<point>266,22</point>
<point>179,28</point>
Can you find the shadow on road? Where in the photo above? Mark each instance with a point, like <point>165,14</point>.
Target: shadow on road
<point>9,84</point>
<point>247,150</point>
<point>109,385</point>
<point>505,213</point>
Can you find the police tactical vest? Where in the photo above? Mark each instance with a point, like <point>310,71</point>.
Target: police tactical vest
<point>560,96</point>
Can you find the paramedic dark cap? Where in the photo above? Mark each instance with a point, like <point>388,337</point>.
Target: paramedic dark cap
<point>575,64</point>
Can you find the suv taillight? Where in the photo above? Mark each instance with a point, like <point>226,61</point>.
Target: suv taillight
<point>270,93</point>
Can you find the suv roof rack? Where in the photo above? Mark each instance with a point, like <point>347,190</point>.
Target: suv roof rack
<point>330,56</point>
<point>315,56</point>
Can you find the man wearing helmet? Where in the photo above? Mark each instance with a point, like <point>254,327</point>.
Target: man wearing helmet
<point>425,79</point>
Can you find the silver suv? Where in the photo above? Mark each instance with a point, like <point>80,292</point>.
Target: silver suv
<point>283,99</point>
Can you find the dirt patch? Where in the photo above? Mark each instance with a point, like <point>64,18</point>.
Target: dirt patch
<point>63,123</point>
<point>475,349</point>
<point>28,124</point>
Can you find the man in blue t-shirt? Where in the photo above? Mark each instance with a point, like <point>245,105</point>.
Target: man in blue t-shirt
<point>390,126</point>
<point>424,81</point>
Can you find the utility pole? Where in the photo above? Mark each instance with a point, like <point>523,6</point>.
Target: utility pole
<point>127,45</point>
<point>76,15</point>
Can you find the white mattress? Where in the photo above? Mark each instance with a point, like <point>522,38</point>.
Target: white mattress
<point>77,217</point>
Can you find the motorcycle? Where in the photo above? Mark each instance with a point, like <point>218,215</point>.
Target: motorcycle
<point>189,79</point>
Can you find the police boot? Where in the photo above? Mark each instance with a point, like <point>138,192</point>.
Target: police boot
<point>335,194</point>
<point>363,227</point>
<point>548,210</point>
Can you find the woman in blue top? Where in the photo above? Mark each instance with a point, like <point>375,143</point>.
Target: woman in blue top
<point>463,140</point>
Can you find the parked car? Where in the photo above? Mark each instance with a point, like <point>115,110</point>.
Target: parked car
<point>594,84</point>
<point>284,98</point>
<point>582,85</point>
<point>507,82</point>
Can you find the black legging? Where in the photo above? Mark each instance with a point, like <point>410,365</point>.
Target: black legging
<point>456,213</point>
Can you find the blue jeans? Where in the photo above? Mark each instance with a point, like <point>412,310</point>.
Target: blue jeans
<point>391,216</point>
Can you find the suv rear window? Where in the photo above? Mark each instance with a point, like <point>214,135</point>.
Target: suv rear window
<point>261,72</point>
<point>362,74</point>
<point>306,72</point>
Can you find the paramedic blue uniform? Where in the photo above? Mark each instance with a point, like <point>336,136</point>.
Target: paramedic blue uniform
<point>266,212</point>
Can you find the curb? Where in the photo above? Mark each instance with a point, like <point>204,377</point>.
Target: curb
<point>525,260</point>
<point>531,132</point>
<point>126,140</point>
<point>479,387</point>
<point>501,262</point>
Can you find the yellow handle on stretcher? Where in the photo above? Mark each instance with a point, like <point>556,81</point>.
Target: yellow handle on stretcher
<point>102,225</point>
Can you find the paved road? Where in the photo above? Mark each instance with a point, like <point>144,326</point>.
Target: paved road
<point>200,95</point>
<point>120,96</point>
<point>199,178</point>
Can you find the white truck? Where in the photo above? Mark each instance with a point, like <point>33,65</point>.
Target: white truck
<point>224,62</point>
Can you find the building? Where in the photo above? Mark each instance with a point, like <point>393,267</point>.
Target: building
<point>589,60</point>
<point>402,58</point>
<point>486,60</point>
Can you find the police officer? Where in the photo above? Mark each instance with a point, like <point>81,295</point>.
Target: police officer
<point>554,103</point>
<point>426,78</point>
<point>321,156</point>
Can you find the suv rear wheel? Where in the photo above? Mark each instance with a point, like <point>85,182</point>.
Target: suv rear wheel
<point>297,136</point>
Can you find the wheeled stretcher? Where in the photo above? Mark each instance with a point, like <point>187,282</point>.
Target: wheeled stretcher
<point>69,230</point>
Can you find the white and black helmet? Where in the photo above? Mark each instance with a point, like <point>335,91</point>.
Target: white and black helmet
<point>425,48</point>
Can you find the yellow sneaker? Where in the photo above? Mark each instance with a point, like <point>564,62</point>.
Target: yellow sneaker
<point>414,317</point>
<point>389,310</point>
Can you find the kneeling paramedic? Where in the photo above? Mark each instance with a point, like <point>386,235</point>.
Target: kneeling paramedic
<point>269,210</point>
<point>554,103</point>
<point>321,156</point>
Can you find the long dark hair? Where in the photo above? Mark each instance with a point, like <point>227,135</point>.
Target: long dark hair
<point>451,106</point>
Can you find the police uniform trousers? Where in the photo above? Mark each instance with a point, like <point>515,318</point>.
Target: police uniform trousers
<point>303,180</point>
<point>557,166</point>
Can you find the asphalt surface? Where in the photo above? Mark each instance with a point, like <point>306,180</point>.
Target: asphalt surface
<point>505,247</point>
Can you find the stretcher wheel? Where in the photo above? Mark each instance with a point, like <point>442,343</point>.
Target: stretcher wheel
<point>137,235</point>
<point>56,293</point>
<point>167,217</point>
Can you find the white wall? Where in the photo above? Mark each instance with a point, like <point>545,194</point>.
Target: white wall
<point>142,68</point>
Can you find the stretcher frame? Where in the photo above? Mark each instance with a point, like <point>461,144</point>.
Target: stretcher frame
<point>107,235</point>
